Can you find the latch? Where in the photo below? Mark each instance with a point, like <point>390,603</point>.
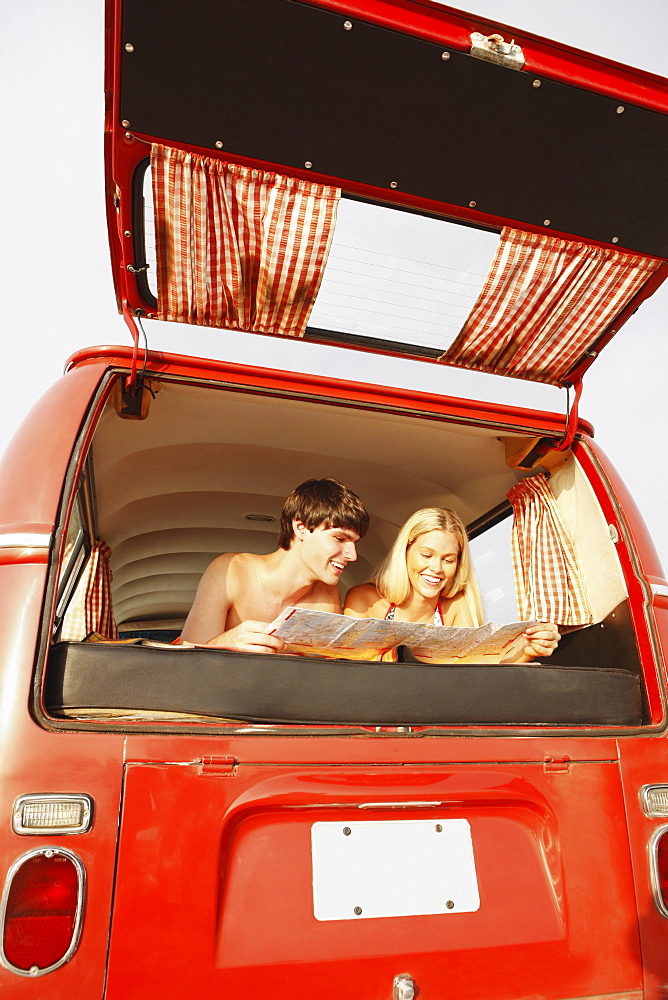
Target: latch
<point>218,767</point>
<point>553,764</point>
<point>403,987</point>
<point>492,48</point>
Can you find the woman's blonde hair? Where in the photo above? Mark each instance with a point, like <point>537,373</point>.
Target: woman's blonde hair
<point>391,578</point>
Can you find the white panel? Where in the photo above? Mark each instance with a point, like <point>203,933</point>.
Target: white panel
<point>393,868</point>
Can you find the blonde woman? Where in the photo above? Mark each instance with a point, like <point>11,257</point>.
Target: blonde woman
<point>428,577</point>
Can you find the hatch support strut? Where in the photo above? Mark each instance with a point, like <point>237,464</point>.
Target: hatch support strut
<point>571,416</point>
<point>546,444</point>
<point>133,398</point>
<point>131,322</point>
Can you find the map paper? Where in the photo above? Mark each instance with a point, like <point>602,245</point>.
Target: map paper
<point>314,630</point>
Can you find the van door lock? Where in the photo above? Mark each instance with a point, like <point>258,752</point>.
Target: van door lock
<point>404,987</point>
<point>492,48</point>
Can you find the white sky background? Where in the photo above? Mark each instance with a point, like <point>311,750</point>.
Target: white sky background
<point>55,279</point>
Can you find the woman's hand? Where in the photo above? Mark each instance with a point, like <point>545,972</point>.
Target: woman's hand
<point>537,640</point>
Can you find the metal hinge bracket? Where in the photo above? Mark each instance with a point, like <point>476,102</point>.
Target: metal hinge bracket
<point>218,767</point>
<point>553,764</point>
<point>492,48</point>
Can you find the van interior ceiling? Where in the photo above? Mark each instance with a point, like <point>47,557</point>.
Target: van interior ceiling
<point>199,476</point>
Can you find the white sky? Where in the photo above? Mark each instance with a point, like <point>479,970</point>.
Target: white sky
<point>56,287</point>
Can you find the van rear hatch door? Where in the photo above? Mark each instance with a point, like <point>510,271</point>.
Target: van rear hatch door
<point>472,879</point>
<point>394,106</point>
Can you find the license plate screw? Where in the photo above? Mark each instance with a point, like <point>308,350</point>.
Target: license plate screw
<point>357,910</point>
<point>439,828</point>
<point>346,831</point>
<point>449,904</point>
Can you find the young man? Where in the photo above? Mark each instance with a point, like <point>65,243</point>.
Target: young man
<point>240,593</point>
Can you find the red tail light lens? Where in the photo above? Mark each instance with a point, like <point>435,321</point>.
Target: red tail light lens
<point>42,910</point>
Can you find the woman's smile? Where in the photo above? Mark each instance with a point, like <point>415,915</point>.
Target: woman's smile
<point>431,561</point>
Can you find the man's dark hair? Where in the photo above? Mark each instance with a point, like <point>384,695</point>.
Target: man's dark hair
<point>322,502</point>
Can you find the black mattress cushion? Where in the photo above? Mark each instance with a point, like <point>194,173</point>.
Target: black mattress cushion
<point>292,689</point>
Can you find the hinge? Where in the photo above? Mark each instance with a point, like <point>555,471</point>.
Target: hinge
<point>492,48</point>
<point>218,767</point>
<point>553,764</point>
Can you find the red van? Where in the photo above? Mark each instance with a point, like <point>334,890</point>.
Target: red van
<point>400,179</point>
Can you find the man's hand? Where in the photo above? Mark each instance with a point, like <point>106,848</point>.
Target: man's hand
<point>248,637</point>
<point>537,640</point>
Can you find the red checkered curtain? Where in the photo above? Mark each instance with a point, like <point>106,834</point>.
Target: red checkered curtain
<point>545,302</point>
<point>90,609</point>
<point>548,583</point>
<point>236,247</point>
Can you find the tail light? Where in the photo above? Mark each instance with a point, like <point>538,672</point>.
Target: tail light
<point>42,909</point>
<point>658,853</point>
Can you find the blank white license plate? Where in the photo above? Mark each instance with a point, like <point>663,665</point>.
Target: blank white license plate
<point>392,868</point>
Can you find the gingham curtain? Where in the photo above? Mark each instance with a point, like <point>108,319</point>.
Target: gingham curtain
<point>90,609</point>
<point>237,247</point>
<point>548,582</point>
<point>544,303</point>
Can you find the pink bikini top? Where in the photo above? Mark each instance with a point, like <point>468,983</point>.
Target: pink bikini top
<point>438,614</point>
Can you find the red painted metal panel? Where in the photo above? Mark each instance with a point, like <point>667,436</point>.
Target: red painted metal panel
<point>640,563</point>
<point>238,916</point>
<point>643,762</point>
<point>33,468</point>
<point>333,390</point>
<point>32,761</point>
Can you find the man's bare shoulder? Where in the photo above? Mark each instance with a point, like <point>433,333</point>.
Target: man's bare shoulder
<point>235,563</point>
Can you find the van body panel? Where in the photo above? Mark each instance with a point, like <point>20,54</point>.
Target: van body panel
<point>42,460</point>
<point>643,762</point>
<point>218,818</point>
<point>248,840</point>
<point>34,761</point>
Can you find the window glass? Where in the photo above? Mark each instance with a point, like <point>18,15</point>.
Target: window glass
<point>401,277</point>
<point>149,235</point>
<point>74,556</point>
<point>493,565</point>
<point>391,275</point>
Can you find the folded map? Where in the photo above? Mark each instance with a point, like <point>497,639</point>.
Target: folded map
<point>314,630</point>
